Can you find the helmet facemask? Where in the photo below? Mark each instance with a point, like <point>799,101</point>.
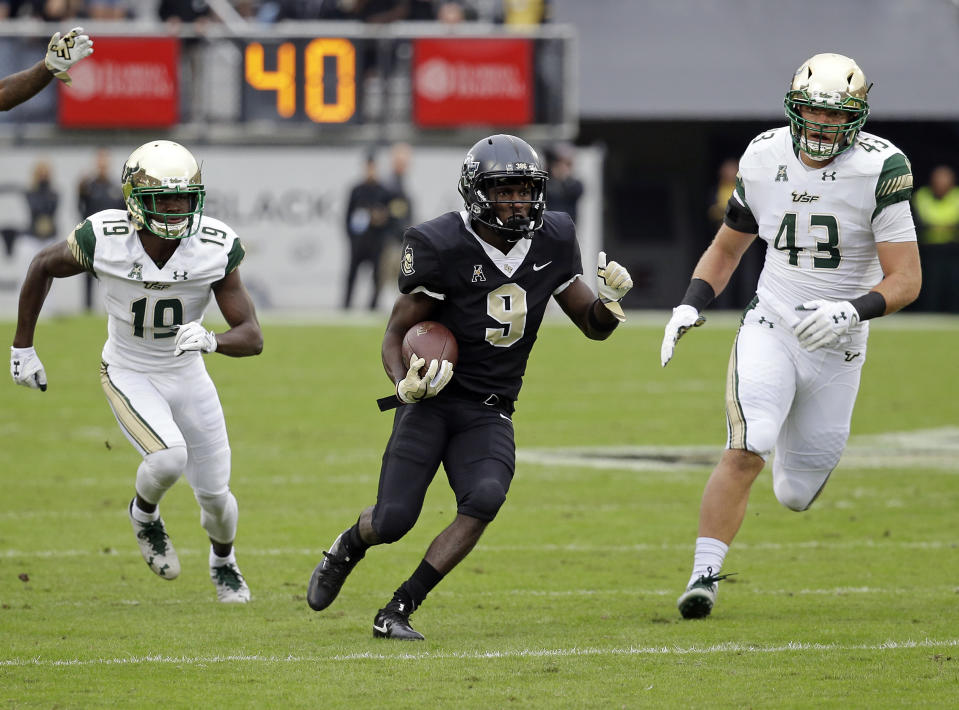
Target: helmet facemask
<point>828,82</point>
<point>517,225</point>
<point>154,176</point>
<point>169,225</point>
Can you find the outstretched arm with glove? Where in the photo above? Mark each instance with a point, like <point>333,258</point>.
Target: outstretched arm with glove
<point>825,323</point>
<point>55,261</point>
<point>710,277</point>
<point>62,53</point>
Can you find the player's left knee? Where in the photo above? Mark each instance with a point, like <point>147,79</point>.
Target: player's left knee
<point>799,494</point>
<point>216,504</point>
<point>485,500</point>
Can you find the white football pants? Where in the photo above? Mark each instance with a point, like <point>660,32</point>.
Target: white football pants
<point>780,396</point>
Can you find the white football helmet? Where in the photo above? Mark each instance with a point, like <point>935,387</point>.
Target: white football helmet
<point>833,82</point>
<point>163,168</point>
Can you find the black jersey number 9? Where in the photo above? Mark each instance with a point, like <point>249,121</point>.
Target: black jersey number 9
<point>506,305</point>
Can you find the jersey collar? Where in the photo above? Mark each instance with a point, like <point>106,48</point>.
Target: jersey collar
<point>508,263</point>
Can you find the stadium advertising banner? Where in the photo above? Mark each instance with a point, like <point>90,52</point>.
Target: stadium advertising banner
<point>127,83</point>
<point>462,82</point>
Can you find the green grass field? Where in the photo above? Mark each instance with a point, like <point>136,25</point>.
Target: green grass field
<point>569,599</point>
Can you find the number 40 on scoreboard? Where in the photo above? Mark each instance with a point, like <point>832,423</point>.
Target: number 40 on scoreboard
<point>311,80</point>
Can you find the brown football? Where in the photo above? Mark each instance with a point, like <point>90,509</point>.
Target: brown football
<point>431,341</point>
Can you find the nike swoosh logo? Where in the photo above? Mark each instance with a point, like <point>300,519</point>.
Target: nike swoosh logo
<point>511,421</point>
<point>381,629</point>
<point>539,267</point>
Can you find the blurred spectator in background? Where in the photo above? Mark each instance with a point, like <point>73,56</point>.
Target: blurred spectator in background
<point>400,212</point>
<point>725,184</point>
<point>96,192</point>
<point>174,12</point>
<point>108,9</point>
<point>936,209</point>
<point>563,189</point>
<point>526,12</point>
<point>452,12</point>
<point>742,284</point>
<point>367,226</point>
<point>42,200</point>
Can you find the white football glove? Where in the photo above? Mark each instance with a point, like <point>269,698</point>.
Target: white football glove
<point>827,325</point>
<point>613,282</point>
<point>193,336</point>
<point>684,318</point>
<point>64,52</point>
<point>26,369</point>
<point>414,388</point>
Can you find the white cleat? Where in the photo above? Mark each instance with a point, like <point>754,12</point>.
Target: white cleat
<point>231,588</point>
<point>155,546</point>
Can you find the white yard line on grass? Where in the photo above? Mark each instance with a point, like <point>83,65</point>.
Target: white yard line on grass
<point>791,647</point>
<point>883,544</point>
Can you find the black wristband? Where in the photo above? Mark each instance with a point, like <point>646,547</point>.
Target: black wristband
<point>595,324</point>
<point>699,294</point>
<point>870,305</point>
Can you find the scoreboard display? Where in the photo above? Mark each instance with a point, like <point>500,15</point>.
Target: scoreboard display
<point>301,80</point>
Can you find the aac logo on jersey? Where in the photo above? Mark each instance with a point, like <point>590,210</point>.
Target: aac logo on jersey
<point>478,274</point>
<point>136,272</point>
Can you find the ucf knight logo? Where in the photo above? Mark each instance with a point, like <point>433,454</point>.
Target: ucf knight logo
<point>407,265</point>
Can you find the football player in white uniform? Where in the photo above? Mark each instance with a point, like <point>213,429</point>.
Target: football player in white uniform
<point>832,204</point>
<point>158,262</point>
<point>62,53</point>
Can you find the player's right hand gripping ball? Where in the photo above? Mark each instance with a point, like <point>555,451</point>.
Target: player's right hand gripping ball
<point>26,369</point>
<point>613,282</point>
<point>64,52</point>
<point>415,387</point>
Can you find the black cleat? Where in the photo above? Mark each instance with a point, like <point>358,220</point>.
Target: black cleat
<point>700,596</point>
<point>329,575</point>
<point>392,622</point>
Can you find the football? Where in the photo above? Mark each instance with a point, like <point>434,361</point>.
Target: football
<point>431,341</point>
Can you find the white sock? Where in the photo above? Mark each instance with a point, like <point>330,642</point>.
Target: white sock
<point>217,561</point>
<point>710,554</point>
<point>141,516</point>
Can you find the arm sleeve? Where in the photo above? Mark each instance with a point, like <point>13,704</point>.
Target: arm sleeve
<point>420,268</point>
<point>894,184</point>
<point>82,242</point>
<point>894,224</point>
<point>233,259</point>
<point>738,215</point>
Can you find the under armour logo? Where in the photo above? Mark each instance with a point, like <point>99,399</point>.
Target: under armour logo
<point>781,174</point>
<point>16,368</point>
<point>478,273</point>
<point>828,175</point>
<point>177,277</point>
<point>762,319</point>
<point>850,356</point>
<point>839,317</point>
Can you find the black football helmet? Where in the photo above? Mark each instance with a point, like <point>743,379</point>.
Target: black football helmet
<point>503,158</point>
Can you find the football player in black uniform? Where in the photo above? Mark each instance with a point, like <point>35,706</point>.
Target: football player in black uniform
<point>487,274</point>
